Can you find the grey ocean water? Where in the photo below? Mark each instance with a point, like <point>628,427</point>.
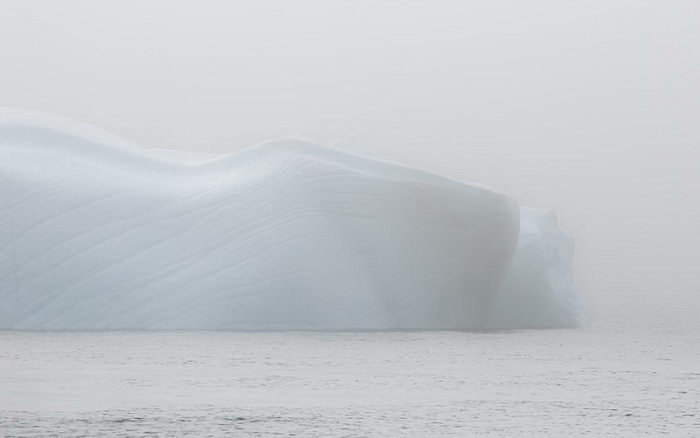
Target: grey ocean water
<point>637,378</point>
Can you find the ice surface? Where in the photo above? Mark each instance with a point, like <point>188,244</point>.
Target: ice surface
<point>98,233</point>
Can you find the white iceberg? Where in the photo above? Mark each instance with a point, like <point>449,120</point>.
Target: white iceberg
<point>98,233</point>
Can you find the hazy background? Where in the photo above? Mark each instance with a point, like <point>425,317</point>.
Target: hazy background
<point>592,107</point>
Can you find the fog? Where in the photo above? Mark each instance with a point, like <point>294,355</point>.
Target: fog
<point>589,107</point>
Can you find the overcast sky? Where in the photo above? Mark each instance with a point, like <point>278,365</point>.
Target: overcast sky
<point>591,107</point>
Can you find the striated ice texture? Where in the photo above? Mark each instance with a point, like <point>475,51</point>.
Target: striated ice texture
<point>97,233</point>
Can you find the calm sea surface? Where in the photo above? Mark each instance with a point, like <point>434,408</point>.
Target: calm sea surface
<point>636,379</point>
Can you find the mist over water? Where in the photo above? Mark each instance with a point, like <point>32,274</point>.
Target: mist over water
<point>588,107</point>
<point>591,108</point>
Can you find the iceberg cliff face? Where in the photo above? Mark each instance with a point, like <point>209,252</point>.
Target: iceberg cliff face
<point>99,234</point>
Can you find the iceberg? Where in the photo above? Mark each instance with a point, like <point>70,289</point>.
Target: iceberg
<point>98,233</point>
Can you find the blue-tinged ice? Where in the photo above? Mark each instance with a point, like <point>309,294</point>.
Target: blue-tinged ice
<point>98,233</point>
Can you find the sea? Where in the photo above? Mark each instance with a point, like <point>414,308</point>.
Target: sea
<point>613,377</point>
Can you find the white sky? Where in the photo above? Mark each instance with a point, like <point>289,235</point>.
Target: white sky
<point>592,107</point>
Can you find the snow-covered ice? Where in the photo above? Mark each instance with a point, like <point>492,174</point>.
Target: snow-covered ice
<point>98,233</point>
